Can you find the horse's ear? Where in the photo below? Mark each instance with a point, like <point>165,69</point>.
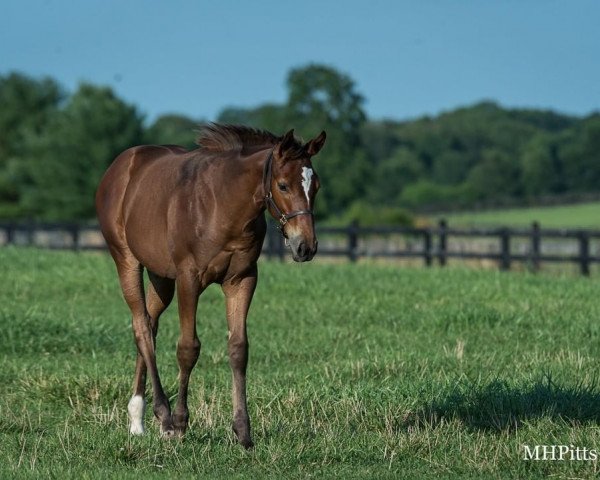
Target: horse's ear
<point>316,144</point>
<point>287,142</point>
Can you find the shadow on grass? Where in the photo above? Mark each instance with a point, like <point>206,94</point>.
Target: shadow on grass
<point>498,406</point>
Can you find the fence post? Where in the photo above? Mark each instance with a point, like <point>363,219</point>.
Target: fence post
<point>270,241</point>
<point>75,236</point>
<point>427,247</point>
<point>280,248</point>
<point>584,253</point>
<point>10,233</point>
<point>353,240</point>
<point>443,245</point>
<point>29,231</point>
<point>504,249</point>
<point>535,246</point>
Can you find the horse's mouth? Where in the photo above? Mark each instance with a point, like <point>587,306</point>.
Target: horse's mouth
<point>299,259</point>
<point>301,253</point>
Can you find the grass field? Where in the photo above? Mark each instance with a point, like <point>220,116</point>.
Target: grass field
<point>356,371</point>
<point>565,216</point>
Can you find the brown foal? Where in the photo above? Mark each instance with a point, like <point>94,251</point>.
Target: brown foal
<point>196,218</point>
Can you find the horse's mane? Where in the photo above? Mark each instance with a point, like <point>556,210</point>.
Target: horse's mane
<point>224,138</point>
<point>217,137</point>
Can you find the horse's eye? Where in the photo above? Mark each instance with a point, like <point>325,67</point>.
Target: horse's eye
<point>282,186</point>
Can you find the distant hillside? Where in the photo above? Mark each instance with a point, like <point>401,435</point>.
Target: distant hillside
<point>582,215</point>
<point>483,154</point>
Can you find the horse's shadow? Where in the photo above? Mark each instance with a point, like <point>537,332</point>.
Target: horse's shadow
<point>497,406</point>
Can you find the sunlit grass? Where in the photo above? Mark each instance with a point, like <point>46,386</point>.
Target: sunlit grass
<point>564,216</point>
<point>355,370</point>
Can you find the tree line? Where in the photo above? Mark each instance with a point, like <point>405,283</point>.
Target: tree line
<point>55,146</point>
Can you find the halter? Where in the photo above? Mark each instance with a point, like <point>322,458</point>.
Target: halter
<point>282,218</point>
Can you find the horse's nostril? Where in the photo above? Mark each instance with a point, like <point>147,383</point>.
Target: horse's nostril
<point>302,249</point>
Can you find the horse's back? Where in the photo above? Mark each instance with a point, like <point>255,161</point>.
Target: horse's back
<point>127,166</point>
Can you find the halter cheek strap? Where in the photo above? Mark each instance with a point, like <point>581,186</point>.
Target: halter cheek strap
<point>279,215</point>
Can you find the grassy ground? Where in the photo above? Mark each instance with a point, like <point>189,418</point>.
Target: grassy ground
<point>355,371</point>
<point>565,216</point>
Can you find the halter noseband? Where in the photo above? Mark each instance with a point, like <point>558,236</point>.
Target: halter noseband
<point>281,217</point>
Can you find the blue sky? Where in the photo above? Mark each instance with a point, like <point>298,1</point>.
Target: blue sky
<point>407,58</point>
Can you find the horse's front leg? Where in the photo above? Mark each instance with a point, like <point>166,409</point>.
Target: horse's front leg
<point>188,345</point>
<point>239,295</point>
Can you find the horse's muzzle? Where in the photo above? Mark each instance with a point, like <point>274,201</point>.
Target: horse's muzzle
<point>302,250</point>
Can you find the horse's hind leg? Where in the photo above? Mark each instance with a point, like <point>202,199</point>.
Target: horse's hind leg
<point>159,296</point>
<point>130,276</point>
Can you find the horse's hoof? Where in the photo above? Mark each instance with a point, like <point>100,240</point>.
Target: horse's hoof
<point>136,430</point>
<point>243,436</point>
<point>167,432</point>
<point>247,444</point>
<point>180,423</point>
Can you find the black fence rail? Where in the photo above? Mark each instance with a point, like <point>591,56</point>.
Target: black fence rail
<point>52,235</point>
<point>434,245</point>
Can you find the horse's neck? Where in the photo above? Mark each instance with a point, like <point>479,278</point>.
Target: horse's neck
<point>247,195</point>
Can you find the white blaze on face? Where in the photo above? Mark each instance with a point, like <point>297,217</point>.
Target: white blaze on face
<point>136,408</point>
<point>307,174</point>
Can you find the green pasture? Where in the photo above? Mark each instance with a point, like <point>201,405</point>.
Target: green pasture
<point>583,215</point>
<point>356,371</point>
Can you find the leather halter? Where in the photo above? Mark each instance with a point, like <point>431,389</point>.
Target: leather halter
<point>278,215</point>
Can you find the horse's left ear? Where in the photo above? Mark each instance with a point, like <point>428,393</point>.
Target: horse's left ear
<point>316,144</point>
<point>287,142</point>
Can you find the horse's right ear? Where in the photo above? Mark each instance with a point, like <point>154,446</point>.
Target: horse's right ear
<point>287,142</point>
<point>316,144</point>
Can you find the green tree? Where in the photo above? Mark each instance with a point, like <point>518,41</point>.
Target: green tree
<point>321,98</point>
<point>26,106</point>
<point>393,174</point>
<point>451,167</point>
<point>495,177</point>
<point>580,155</point>
<point>172,129</point>
<point>320,95</point>
<point>65,162</point>
<point>379,139</point>
<point>269,117</point>
<point>542,171</point>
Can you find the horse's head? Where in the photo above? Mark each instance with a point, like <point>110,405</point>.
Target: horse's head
<point>293,184</point>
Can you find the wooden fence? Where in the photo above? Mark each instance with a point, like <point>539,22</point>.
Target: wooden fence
<point>434,245</point>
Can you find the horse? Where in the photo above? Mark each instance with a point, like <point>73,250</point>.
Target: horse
<point>194,218</point>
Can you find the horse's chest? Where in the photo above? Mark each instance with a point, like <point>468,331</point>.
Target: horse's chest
<point>216,269</point>
<point>223,267</point>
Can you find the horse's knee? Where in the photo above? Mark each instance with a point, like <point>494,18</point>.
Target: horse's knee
<point>238,352</point>
<point>188,352</point>
<point>142,332</point>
